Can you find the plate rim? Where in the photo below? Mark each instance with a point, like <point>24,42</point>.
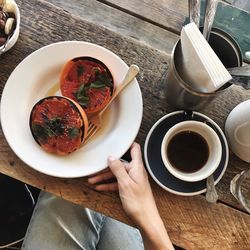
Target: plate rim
<point>62,174</point>
<point>149,168</point>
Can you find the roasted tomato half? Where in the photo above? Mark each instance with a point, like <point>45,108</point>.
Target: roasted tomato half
<point>87,81</point>
<point>58,124</point>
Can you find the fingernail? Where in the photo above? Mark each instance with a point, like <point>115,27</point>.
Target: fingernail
<point>90,181</point>
<point>111,158</point>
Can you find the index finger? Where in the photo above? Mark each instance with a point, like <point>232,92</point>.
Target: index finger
<point>135,152</point>
<point>117,169</point>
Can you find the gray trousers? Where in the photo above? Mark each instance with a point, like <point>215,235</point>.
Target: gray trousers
<point>59,224</point>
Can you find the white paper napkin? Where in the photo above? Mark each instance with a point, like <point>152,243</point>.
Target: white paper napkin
<point>201,67</point>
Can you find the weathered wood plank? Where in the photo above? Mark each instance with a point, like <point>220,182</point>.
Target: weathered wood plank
<point>172,14</point>
<point>192,223</point>
<point>120,22</point>
<point>143,20</point>
<point>169,14</point>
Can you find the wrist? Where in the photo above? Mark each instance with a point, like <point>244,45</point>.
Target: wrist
<point>154,233</point>
<point>151,225</point>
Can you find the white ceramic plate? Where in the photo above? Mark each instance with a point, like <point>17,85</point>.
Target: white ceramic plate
<point>36,77</point>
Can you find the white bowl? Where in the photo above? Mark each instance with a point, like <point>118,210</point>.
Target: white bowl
<point>115,138</point>
<point>15,35</point>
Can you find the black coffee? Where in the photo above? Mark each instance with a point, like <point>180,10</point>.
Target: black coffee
<point>188,151</point>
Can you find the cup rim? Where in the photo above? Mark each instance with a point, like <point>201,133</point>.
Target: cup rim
<point>235,187</point>
<point>236,131</point>
<point>200,174</point>
<point>225,35</point>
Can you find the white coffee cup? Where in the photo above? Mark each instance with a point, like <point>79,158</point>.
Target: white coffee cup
<point>237,129</point>
<point>210,140</point>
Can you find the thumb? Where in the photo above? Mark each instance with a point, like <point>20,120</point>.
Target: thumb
<point>117,168</point>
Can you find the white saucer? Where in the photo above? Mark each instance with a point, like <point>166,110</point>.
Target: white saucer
<point>155,165</point>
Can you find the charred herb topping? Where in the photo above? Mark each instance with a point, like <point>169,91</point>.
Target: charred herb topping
<point>81,96</point>
<point>102,80</point>
<point>40,132</point>
<point>74,132</point>
<point>53,127</point>
<point>80,70</point>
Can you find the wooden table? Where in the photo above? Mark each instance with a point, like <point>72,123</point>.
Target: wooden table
<point>192,223</point>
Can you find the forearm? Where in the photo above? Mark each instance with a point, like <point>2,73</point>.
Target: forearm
<point>154,234</point>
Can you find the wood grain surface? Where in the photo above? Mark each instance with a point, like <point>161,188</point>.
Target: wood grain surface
<point>169,14</point>
<point>192,222</point>
<point>121,22</point>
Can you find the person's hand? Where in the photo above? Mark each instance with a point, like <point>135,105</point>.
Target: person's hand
<point>131,180</point>
<point>133,185</point>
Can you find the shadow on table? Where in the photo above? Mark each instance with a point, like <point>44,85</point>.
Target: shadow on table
<point>17,201</point>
